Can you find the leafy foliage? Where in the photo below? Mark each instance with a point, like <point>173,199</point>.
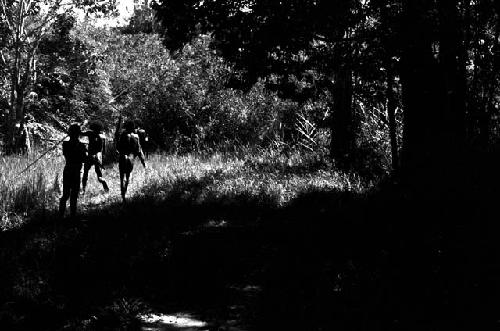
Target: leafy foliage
<point>70,83</point>
<point>183,100</point>
<point>23,25</point>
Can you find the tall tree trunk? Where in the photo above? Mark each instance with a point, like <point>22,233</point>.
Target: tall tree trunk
<point>453,73</point>
<point>421,97</point>
<point>11,121</point>
<point>491,86</point>
<point>16,111</point>
<point>342,123</point>
<point>433,96</point>
<point>391,115</point>
<point>390,93</point>
<point>463,58</point>
<point>474,112</point>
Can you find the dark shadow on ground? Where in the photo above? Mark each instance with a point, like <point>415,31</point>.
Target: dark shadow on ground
<point>384,260</point>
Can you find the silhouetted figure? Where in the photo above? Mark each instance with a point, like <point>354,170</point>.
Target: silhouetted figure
<point>143,138</point>
<point>96,148</point>
<point>129,147</point>
<point>75,154</point>
<point>22,139</point>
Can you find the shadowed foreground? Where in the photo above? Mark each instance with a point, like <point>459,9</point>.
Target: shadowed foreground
<point>326,260</point>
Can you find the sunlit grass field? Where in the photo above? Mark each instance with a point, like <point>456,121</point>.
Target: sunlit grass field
<point>249,173</point>
<point>36,189</point>
<point>177,203</point>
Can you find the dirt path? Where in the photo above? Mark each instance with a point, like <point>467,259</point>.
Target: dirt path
<point>190,264</point>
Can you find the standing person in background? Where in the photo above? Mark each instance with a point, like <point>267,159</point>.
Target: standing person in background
<point>128,148</point>
<point>75,154</point>
<point>143,138</point>
<point>22,143</point>
<point>96,149</point>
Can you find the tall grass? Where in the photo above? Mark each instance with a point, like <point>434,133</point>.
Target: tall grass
<point>149,246</point>
<point>252,173</point>
<point>21,194</point>
<point>246,172</point>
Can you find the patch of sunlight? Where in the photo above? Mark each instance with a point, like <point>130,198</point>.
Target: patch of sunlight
<point>178,321</point>
<point>216,224</point>
<point>98,199</point>
<point>249,289</point>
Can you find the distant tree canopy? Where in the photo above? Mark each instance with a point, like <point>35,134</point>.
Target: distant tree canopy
<point>69,76</point>
<point>142,20</point>
<point>287,39</point>
<point>351,72</point>
<point>437,60</point>
<point>257,34</point>
<point>25,25</point>
<point>183,101</point>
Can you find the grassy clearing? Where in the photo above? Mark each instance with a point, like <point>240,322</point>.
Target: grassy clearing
<point>251,174</point>
<point>23,194</point>
<point>258,239</point>
<point>149,248</point>
<point>267,174</point>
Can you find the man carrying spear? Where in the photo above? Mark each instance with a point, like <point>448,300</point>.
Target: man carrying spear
<point>96,148</point>
<point>75,154</point>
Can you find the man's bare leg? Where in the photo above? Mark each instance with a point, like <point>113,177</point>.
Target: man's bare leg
<point>62,204</point>
<point>101,180</point>
<point>122,185</point>
<point>124,179</point>
<point>86,168</point>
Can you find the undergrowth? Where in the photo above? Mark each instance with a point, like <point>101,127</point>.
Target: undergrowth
<point>112,253</point>
<point>26,191</point>
<point>252,173</point>
<point>260,239</point>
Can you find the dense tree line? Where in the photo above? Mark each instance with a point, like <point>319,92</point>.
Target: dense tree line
<point>189,99</point>
<point>416,80</point>
<point>436,60</point>
<point>28,28</point>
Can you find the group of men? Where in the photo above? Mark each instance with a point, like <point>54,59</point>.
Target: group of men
<point>78,155</point>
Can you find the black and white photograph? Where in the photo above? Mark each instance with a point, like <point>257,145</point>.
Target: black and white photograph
<point>249,165</point>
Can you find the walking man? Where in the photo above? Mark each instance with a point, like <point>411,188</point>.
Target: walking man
<point>96,148</point>
<point>22,138</point>
<point>143,138</point>
<point>75,153</point>
<point>128,147</point>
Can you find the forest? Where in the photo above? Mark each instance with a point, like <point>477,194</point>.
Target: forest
<point>308,165</point>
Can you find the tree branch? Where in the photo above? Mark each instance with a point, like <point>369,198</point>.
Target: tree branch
<point>323,38</point>
<point>4,10</point>
<point>2,57</point>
